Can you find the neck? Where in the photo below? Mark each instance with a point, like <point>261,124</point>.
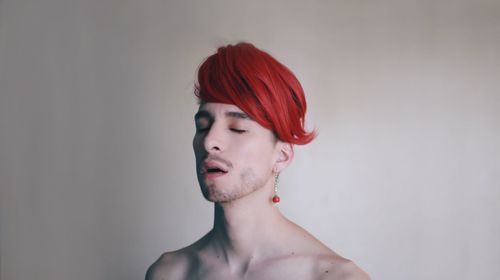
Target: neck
<point>245,229</point>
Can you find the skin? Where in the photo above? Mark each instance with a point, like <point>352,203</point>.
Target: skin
<point>250,238</point>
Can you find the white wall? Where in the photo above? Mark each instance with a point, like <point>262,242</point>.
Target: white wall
<point>96,168</point>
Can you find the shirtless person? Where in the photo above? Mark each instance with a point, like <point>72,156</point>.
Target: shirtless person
<point>251,114</point>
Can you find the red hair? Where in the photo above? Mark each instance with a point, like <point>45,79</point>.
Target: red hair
<point>259,85</point>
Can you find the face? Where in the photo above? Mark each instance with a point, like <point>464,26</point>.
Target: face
<point>235,155</point>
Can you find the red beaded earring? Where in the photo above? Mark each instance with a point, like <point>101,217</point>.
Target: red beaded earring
<point>276,198</point>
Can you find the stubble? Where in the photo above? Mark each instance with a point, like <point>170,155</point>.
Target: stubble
<point>248,183</point>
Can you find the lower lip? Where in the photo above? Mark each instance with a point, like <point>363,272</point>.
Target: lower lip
<point>210,176</point>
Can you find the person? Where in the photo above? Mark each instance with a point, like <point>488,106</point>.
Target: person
<point>251,114</point>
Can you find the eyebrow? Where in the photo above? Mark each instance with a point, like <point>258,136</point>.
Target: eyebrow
<point>238,115</point>
<point>230,114</point>
<point>202,114</point>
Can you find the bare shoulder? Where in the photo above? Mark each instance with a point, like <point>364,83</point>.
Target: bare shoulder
<point>327,263</point>
<point>170,266</point>
<point>177,265</point>
<point>336,267</point>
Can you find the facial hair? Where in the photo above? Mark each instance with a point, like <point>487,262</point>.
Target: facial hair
<point>248,183</point>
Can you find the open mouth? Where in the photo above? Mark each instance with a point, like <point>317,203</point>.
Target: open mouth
<point>212,173</point>
<point>215,170</point>
<point>212,169</point>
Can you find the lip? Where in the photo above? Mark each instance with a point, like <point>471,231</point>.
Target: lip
<point>211,176</point>
<point>213,164</point>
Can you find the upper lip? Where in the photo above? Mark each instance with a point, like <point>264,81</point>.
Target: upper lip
<point>210,164</point>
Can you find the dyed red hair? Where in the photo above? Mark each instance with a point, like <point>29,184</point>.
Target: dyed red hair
<point>259,85</point>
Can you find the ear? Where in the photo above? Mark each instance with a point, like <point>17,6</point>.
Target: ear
<point>285,156</point>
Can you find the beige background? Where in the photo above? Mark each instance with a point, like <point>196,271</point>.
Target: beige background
<point>96,107</point>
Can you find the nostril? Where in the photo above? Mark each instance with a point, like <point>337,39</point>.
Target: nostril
<point>212,140</point>
<point>212,145</point>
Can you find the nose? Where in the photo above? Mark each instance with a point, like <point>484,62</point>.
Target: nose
<point>214,141</point>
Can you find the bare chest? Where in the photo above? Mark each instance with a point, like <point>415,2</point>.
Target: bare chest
<point>284,269</point>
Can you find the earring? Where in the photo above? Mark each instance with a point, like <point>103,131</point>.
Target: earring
<point>276,198</point>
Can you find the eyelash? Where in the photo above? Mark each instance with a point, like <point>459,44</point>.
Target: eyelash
<point>239,131</point>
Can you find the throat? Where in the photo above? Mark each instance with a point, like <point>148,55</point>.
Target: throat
<point>243,233</point>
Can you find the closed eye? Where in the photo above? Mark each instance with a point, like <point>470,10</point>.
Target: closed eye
<point>239,131</point>
<point>201,129</point>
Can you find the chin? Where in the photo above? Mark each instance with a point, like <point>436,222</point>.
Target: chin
<point>217,199</point>
<point>215,194</point>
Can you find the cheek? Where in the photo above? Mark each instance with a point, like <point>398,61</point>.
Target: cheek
<point>197,145</point>
<point>257,156</point>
